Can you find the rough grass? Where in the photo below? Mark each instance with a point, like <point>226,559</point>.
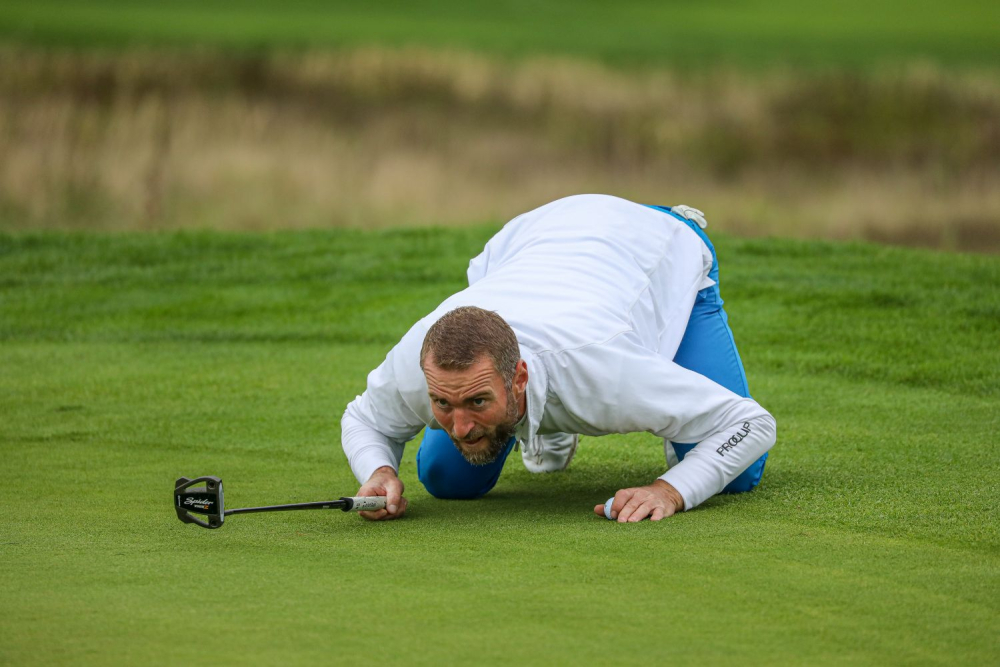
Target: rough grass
<point>161,140</point>
<point>128,360</point>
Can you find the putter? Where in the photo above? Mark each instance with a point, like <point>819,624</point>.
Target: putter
<point>207,500</point>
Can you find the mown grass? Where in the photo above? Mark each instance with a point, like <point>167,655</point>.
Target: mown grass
<point>629,33</point>
<point>130,359</point>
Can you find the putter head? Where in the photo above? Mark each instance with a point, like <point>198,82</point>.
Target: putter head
<point>206,500</point>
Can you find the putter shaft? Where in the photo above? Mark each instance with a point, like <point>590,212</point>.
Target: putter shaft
<point>322,505</point>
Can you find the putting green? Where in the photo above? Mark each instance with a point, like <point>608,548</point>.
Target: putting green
<point>130,360</point>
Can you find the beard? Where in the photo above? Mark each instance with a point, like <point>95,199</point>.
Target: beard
<point>497,437</point>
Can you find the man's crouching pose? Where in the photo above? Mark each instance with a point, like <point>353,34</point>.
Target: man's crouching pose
<point>589,315</point>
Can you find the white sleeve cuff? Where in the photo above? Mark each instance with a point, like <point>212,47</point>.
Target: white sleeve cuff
<point>719,459</point>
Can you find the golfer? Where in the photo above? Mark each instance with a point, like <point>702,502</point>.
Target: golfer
<point>590,315</point>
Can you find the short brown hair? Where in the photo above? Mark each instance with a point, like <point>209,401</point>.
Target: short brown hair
<point>462,336</point>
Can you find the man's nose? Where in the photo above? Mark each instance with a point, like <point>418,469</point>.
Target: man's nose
<point>463,424</point>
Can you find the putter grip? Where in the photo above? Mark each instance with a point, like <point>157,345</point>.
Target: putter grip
<point>366,503</point>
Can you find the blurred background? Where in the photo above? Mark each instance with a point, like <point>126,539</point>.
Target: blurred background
<point>849,120</point>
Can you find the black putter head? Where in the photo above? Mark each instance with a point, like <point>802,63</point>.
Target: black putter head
<point>206,500</point>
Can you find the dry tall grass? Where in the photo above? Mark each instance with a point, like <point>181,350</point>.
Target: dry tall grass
<point>156,140</point>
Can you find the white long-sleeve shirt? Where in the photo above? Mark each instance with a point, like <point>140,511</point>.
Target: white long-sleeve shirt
<point>598,291</point>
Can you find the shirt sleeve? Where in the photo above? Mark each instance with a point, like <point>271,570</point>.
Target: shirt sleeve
<point>731,431</point>
<point>378,423</point>
<point>719,459</point>
<point>620,387</point>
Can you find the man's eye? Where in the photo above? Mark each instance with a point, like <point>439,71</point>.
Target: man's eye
<point>441,403</point>
<point>479,402</point>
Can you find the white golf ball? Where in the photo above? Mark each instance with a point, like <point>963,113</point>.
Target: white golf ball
<point>607,507</point>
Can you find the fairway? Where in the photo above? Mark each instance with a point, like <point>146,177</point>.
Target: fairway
<point>129,360</point>
<point>747,34</point>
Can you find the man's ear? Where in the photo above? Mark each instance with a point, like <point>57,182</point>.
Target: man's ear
<point>521,376</point>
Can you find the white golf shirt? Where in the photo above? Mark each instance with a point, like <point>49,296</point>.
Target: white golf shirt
<point>598,291</point>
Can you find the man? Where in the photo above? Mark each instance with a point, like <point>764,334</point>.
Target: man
<point>590,315</point>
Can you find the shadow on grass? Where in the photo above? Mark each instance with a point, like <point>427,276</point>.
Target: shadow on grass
<point>568,499</point>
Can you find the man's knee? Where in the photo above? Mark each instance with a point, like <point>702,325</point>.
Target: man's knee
<point>749,478</point>
<point>439,481</point>
<point>446,474</point>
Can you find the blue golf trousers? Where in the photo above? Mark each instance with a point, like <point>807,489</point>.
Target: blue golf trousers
<point>707,348</point>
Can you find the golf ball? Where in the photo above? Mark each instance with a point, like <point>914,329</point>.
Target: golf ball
<point>607,507</point>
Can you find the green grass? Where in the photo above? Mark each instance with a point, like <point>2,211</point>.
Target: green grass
<point>129,360</point>
<point>633,32</point>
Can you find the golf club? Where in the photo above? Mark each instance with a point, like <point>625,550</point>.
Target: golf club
<point>207,500</point>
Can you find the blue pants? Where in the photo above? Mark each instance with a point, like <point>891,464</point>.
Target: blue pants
<point>707,348</point>
<point>445,473</point>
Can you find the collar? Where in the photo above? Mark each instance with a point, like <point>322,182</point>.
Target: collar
<point>534,397</point>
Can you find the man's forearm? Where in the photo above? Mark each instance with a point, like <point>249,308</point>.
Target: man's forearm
<point>367,450</point>
<point>719,459</point>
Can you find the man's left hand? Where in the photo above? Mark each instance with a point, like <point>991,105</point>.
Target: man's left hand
<point>656,501</point>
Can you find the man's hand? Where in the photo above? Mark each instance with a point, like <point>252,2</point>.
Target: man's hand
<point>656,501</point>
<point>384,482</point>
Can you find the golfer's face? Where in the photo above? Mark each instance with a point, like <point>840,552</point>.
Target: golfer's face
<point>470,404</point>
